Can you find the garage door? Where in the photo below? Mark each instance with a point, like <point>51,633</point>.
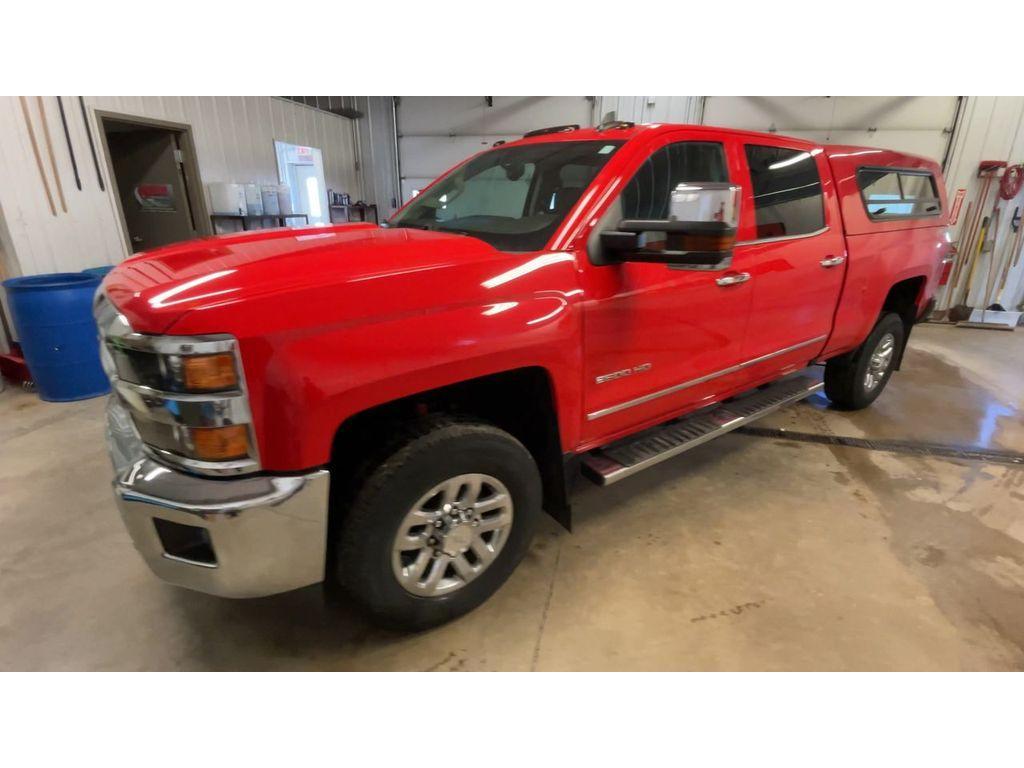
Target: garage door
<point>437,132</point>
<point>917,124</point>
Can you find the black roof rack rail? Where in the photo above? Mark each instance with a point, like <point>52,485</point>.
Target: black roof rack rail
<point>498,143</point>
<point>552,129</point>
<point>610,125</point>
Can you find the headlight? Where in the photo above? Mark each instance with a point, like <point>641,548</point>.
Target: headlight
<point>186,395</point>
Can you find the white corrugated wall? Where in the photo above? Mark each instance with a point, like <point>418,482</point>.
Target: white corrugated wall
<point>992,128</point>
<point>438,132</point>
<point>234,138</point>
<point>651,109</point>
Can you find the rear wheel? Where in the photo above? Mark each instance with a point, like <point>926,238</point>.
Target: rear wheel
<point>853,382</point>
<point>438,525</point>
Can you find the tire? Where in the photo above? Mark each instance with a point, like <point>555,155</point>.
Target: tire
<point>847,383</point>
<point>436,452</point>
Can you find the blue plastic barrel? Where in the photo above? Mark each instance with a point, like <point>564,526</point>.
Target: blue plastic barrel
<point>99,272</point>
<point>53,319</point>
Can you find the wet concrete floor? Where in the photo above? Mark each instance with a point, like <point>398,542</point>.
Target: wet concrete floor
<point>748,553</point>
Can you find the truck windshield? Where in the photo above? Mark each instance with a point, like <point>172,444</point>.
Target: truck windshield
<point>513,198</point>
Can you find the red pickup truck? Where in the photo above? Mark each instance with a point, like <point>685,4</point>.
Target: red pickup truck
<point>389,409</point>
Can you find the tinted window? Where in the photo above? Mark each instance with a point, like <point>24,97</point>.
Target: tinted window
<point>787,191</point>
<point>512,197</point>
<point>648,193</point>
<point>490,193</point>
<point>892,193</point>
<point>918,186</point>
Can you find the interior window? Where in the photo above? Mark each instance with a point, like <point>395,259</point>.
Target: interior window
<point>787,191</point>
<point>648,193</point>
<point>918,186</point>
<point>893,193</point>
<point>490,193</point>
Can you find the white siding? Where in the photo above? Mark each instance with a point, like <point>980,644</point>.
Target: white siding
<point>992,128</point>
<point>916,124</point>
<point>234,138</point>
<point>376,131</point>
<point>651,109</point>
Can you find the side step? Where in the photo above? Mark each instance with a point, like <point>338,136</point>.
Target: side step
<point>630,455</point>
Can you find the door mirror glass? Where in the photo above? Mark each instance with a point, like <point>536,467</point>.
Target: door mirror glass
<point>699,232</point>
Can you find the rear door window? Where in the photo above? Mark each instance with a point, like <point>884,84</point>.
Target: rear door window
<point>895,193</point>
<point>787,191</point>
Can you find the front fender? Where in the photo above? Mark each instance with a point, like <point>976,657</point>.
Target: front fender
<point>341,373</point>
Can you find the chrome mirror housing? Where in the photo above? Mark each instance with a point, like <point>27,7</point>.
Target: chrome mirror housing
<point>706,202</point>
<point>700,230</point>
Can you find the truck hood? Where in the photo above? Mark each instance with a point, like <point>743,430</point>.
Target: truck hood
<point>156,288</point>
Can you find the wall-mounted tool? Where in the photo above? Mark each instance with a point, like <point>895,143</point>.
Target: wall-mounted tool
<point>49,151</point>
<point>988,172</point>
<point>1010,184</point>
<point>1011,256</point>
<point>67,138</point>
<point>92,147</point>
<point>35,151</point>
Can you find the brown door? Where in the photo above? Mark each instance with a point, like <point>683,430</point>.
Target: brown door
<point>151,185</point>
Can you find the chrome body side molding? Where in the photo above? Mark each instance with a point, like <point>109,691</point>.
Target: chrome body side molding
<point>782,238</point>
<point>700,380</point>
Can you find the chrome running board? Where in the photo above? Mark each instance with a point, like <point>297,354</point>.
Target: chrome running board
<point>652,446</point>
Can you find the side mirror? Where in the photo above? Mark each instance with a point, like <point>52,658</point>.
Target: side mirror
<point>699,232</point>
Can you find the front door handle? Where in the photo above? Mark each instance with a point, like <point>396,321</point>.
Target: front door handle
<point>734,279</point>
<point>832,261</point>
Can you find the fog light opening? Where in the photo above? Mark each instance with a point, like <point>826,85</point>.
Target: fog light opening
<point>189,543</point>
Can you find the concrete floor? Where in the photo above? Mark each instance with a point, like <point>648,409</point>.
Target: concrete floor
<point>749,553</point>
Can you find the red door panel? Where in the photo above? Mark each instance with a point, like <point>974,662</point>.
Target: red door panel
<point>795,279</point>
<point>656,338</point>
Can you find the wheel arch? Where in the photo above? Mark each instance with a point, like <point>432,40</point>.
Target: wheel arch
<point>520,401</point>
<point>904,299</point>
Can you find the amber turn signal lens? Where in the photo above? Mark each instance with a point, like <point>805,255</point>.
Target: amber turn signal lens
<point>209,372</point>
<point>221,443</point>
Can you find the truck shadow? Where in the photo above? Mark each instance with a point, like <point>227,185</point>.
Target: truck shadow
<point>303,631</point>
<point>298,630</point>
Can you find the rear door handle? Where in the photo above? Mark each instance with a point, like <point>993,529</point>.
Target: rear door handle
<point>734,279</point>
<point>832,261</point>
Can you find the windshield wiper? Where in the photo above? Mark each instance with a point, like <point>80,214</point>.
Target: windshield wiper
<point>428,228</point>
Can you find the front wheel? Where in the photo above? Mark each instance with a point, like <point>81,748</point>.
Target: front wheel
<point>439,525</point>
<point>853,382</point>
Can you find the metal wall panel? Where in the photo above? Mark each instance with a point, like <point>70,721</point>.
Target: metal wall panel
<point>436,132</point>
<point>651,109</point>
<point>915,124</point>
<point>234,139</point>
<point>378,170</point>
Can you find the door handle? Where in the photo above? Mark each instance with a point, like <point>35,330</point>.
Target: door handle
<point>734,279</point>
<point>832,261</point>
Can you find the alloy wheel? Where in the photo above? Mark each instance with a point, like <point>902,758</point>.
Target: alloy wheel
<point>452,534</point>
<point>880,361</point>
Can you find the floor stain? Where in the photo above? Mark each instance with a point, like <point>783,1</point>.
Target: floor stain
<point>735,610</point>
<point>930,556</point>
<point>952,551</point>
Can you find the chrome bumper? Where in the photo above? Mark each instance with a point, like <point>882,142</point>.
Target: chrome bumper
<point>258,535</point>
